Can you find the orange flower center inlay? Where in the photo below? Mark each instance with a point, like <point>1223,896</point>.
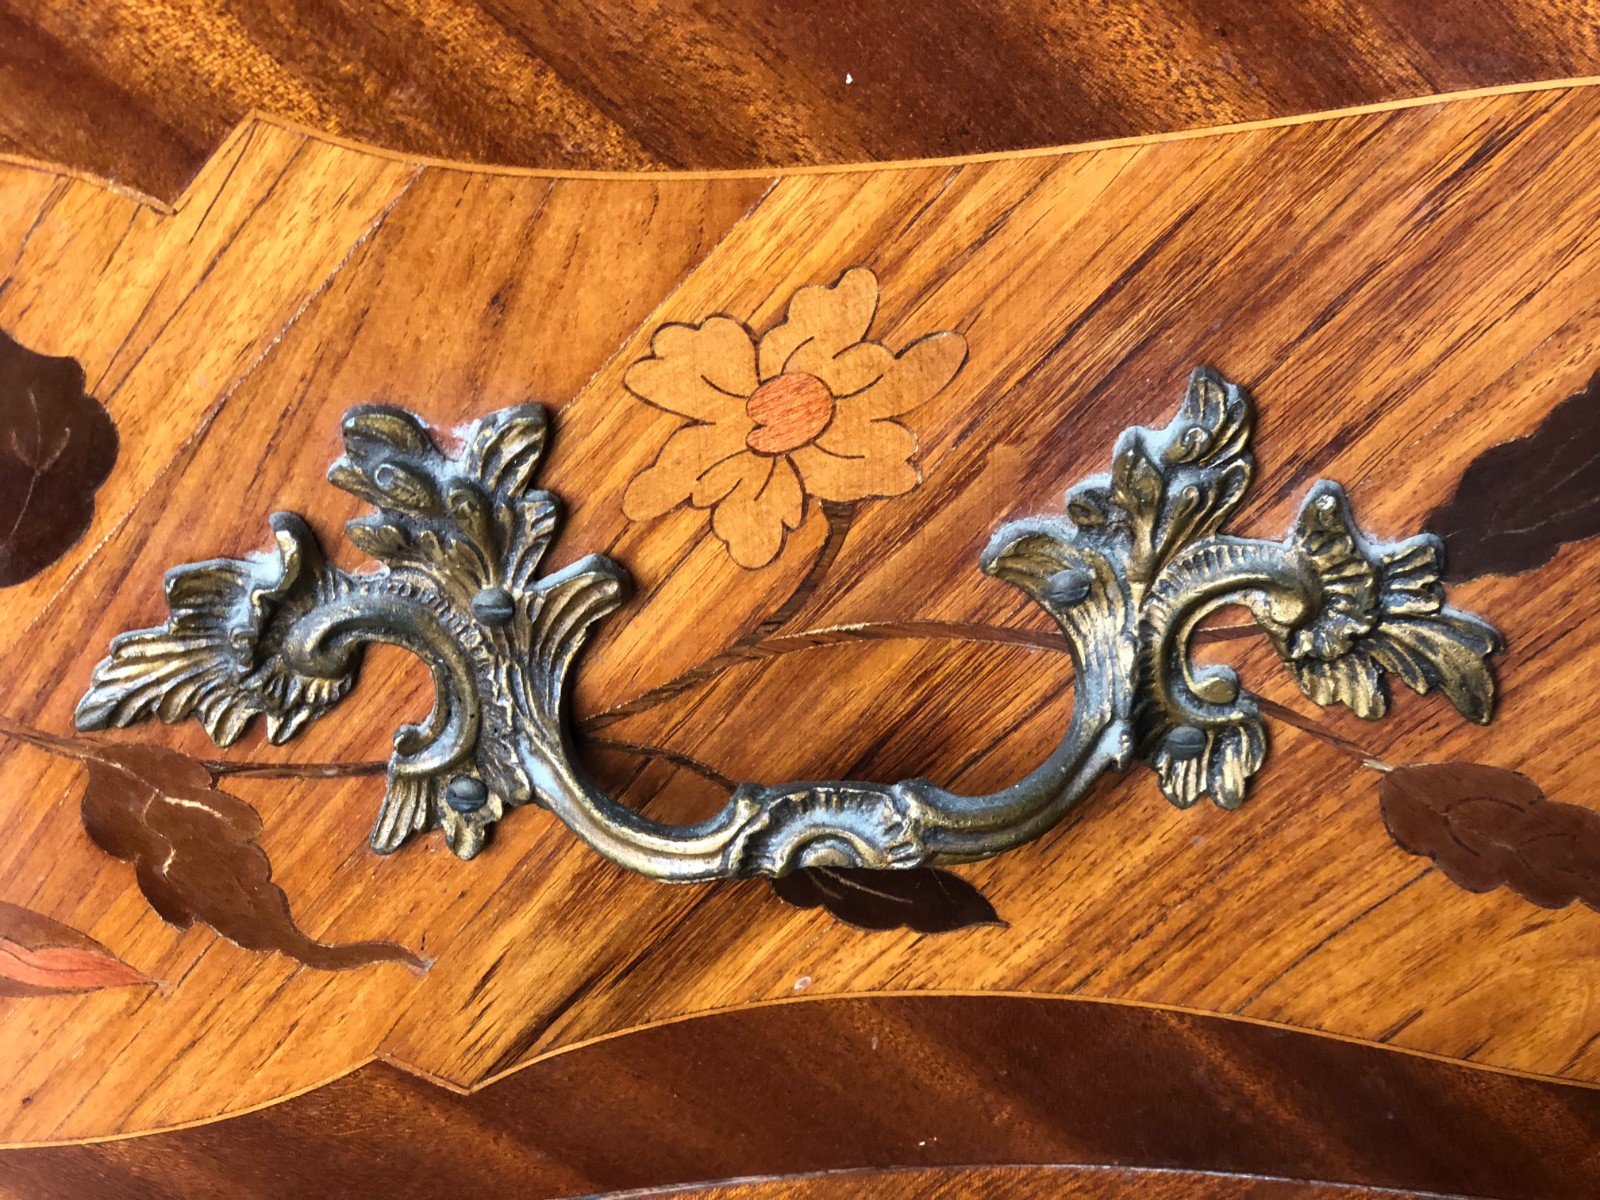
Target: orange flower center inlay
<point>789,411</point>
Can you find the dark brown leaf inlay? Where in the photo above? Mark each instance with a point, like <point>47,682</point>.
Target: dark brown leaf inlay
<point>924,899</point>
<point>57,445</point>
<point>196,856</point>
<point>1487,827</point>
<point>39,956</point>
<point>1521,501</point>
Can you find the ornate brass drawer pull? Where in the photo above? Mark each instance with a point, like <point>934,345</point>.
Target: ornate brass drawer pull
<point>1128,572</point>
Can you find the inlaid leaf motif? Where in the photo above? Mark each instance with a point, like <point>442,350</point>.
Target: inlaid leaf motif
<point>194,850</point>
<point>924,899</point>
<point>1519,502</point>
<point>57,445</point>
<point>1487,827</point>
<point>40,956</point>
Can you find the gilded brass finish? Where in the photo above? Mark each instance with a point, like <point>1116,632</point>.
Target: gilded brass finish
<point>1128,572</point>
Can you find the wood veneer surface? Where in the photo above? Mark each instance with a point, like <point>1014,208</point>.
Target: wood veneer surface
<point>1018,1183</point>
<point>1402,291</point>
<point>143,90</point>
<point>845,1084</point>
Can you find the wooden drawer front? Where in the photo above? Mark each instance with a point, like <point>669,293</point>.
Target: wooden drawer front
<point>1403,911</point>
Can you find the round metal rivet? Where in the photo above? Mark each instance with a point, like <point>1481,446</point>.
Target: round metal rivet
<point>1068,586</point>
<point>1186,741</point>
<point>494,606</point>
<point>466,794</point>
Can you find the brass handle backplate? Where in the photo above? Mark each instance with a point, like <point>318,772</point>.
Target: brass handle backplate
<point>1127,572</point>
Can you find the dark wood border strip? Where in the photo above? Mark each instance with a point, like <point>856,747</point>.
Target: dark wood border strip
<point>141,91</point>
<point>1060,1181</point>
<point>880,1082</point>
<point>241,132</point>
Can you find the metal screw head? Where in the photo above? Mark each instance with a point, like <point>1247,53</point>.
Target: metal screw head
<point>1186,741</point>
<point>1067,586</point>
<point>494,606</point>
<point>466,794</point>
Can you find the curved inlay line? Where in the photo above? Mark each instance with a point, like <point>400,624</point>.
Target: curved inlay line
<point>799,1087</point>
<point>1052,1181</point>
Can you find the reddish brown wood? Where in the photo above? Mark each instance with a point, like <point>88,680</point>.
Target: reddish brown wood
<point>194,852</point>
<point>142,90</point>
<point>880,1082</point>
<point>1487,827</point>
<point>1018,1183</point>
<point>227,337</point>
<point>41,957</point>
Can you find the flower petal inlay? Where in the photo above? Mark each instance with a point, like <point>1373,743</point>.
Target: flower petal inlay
<point>878,464</point>
<point>687,456</point>
<point>756,515</point>
<point>804,411</point>
<point>824,320</point>
<point>854,369</point>
<point>916,375</point>
<point>704,372</point>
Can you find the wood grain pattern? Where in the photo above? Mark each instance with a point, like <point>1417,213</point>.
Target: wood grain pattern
<point>194,853</point>
<point>1488,828</point>
<point>1521,501</point>
<point>57,445</point>
<point>39,957</point>
<point>1399,290</point>
<point>803,413</point>
<point>884,1082</point>
<point>142,90</point>
<point>158,318</point>
<point>1018,1183</point>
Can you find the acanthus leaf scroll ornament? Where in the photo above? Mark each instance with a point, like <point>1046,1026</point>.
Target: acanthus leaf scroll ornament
<point>1128,572</point>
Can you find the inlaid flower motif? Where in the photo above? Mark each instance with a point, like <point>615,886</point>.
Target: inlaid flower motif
<point>805,410</point>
